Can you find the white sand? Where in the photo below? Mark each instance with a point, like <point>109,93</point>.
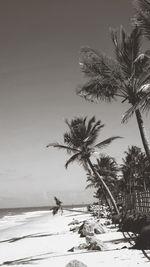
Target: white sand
<point>47,240</point>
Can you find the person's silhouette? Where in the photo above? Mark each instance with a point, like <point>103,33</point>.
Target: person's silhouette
<point>59,204</point>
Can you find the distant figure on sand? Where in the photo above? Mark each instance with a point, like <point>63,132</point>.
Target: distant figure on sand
<point>55,210</point>
<point>58,204</point>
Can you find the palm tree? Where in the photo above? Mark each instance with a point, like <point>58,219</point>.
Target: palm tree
<point>124,77</point>
<point>80,141</point>
<point>107,168</point>
<point>130,168</point>
<point>135,170</point>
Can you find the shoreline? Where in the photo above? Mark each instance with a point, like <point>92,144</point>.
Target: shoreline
<point>45,240</point>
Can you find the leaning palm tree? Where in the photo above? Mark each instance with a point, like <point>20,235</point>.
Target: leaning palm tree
<point>94,182</point>
<point>124,77</point>
<point>80,141</point>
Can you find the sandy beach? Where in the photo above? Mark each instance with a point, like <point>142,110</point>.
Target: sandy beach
<point>43,239</point>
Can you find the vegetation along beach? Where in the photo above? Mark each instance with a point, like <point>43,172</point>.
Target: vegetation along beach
<point>75,133</point>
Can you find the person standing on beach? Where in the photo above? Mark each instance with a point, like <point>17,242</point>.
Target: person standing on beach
<point>59,204</point>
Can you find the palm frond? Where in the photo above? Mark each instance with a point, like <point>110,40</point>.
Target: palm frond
<point>59,146</point>
<point>108,162</point>
<point>142,4</point>
<point>129,113</point>
<point>98,89</point>
<point>90,123</point>
<point>142,64</point>
<point>91,180</point>
<point>70,127</point>
<point>95,64</point>
<point>89,61</point>
<point>144,77</point>
<point>146,105</point>
<point>107,167</point>
<point>142,17</point>
<point>143,103</point>
<point>106,142</point>
<point>96,127</point>
<point>93,132</point>
<point>84,164</point>
<point>77,132</point>
<point>127,49</point>
<point>145,99</point>
<point>89,186</point>
<point>72,159</point>
<point>67,139</point>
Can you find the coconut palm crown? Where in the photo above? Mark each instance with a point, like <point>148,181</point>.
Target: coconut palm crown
<point>81,139</point>
<point>125,77</point>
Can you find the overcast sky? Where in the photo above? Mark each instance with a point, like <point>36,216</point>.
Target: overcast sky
<point>39,46</point>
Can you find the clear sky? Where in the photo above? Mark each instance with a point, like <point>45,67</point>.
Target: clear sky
<point>39,49</point>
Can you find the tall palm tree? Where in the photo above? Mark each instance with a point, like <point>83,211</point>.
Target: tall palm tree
<point>142,20</point>
<point>80,141</point>
<point>124,77</point>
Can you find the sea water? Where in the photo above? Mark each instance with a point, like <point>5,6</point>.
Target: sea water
<point>17,216</point>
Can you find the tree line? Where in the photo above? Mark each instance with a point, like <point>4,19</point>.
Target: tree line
<point>125,78</point>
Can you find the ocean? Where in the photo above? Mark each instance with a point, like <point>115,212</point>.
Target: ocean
<point>19,211</point>
<point>16,216</point>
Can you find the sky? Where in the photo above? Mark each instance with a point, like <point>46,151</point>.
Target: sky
<point>40,42</point>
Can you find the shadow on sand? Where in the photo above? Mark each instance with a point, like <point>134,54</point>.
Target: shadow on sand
<point>11,240</point>
<point>27,260</point>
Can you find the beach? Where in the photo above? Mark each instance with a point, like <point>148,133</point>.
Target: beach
<point>40,238</point>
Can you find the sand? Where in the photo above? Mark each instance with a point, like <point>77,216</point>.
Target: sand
<point>43,239</point>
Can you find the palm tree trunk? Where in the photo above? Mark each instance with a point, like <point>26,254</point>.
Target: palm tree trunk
<point>106,199</point>
<point>143,133</point>
<point>104,185</point>
<point>99,204</point>
<point>130,186</point>
<point>144,185</point>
